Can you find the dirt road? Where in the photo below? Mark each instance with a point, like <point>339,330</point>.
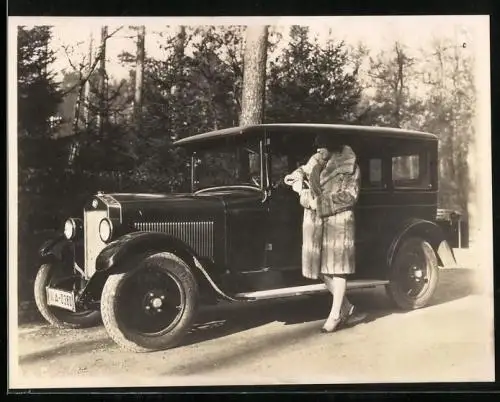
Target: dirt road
<point>451,340</point>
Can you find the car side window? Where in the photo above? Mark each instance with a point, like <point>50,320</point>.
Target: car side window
<point>410,170</point>
<point>371,172</point>
<point>375,172</point>
<point>405,168</point>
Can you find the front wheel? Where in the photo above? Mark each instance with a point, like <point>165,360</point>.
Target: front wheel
<point>49,275</point>
<point>151,306</point>
<point>414,274</point>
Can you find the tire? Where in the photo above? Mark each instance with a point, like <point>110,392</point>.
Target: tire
<point>139,307</point>
<point>58,317</point>
<point>405,291</point>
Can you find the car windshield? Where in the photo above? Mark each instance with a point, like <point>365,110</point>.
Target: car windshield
<point>228,164</point>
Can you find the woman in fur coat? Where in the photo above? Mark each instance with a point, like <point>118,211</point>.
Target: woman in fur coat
<point>332,177</point>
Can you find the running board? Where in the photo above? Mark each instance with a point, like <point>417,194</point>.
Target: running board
<point>307,289</point>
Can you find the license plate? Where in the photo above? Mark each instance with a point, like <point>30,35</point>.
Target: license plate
<point>61,298</point>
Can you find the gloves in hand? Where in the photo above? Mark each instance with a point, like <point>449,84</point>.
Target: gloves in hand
<point>314,204</point>
<point>297,186</point>
<point>307,200</point>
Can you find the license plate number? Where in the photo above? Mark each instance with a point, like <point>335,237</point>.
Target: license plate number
<point>61,298</point>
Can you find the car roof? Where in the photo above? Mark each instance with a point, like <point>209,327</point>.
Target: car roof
<point>306,129</point>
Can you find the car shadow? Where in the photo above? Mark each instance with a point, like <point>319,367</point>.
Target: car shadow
<point>231,319</point>
<point>72,348</point>
<point>453,284</point>
<point>230,357</point>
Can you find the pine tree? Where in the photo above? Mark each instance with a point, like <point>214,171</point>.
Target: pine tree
<point>312,83</point>
<point>38,93</point>
<point>450,109</point>
<point>393,78</point>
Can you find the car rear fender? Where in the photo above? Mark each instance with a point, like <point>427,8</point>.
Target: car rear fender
<point>429,231</point>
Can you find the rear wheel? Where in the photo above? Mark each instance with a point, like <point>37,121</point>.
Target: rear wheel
<point>49,275</point>
<point>414,274</point>
<point>152,306</point>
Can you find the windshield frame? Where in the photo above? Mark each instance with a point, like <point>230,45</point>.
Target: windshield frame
<point>208,147</point>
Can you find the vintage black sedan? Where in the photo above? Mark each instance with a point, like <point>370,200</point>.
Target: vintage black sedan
<point>145,263</point>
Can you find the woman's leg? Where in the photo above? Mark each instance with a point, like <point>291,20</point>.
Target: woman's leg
<point>337,285</point>
<point>339,289</point>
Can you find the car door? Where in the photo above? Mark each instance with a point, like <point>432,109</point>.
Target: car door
<point>285,218</point>
<point>285,229</point>
<point>246,221</point>
<point>373,208</point>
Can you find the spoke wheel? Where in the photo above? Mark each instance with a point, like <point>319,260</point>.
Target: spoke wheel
<point>151,306</point>
<point>414,274</point>
<point>49,275</point>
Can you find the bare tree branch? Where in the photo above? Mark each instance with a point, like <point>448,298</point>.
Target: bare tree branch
<point>84,78</point>
<point>113,33</point>
<point>65,48</point>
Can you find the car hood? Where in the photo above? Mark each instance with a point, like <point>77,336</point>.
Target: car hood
<point>158,207</point>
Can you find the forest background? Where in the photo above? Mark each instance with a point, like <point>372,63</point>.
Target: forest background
<point>87,122</point>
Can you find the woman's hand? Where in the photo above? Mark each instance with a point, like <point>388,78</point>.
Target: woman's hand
<point>297,186</point>
<point>314,204</point>
<point>307,200</point>
<point>294,177</point>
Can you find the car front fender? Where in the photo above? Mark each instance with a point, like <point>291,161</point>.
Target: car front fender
<point>54,248</point>
<point>115,254</point>
<point>113,258</point>
<point>429,231</point>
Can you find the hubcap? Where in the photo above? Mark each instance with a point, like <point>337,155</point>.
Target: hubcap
<point>156,302</point>
<point>413,274</point>
<point>153,302</point>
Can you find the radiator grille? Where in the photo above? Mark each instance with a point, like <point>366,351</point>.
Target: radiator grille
<point>198,235</point>
<point>93,242</point>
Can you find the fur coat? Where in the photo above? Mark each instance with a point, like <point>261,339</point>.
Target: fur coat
<point>328,225</point>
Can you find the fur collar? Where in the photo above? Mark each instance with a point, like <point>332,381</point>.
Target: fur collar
<point>339,163</point>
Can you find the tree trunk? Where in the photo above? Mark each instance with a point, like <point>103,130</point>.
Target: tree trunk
<point>180,44</point>
<point>141,34</point>
<point>177,89</point>
<point>76,109</point>
<point>75,145</point>
<point>86,114</point>
<point>254,79</point>
<point>102,81</point>
<point>254,75</point>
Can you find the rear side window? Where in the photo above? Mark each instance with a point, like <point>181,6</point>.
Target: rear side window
<point>405,167</point>
<point>411,170</point>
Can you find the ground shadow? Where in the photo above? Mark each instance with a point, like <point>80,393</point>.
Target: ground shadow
<point>70,349</point>
<point>28,313</point>
<point>255,346</point>
<point>453,284</point>
<point>456,284</point>
<point>229,319</point>
<point>225,321</point>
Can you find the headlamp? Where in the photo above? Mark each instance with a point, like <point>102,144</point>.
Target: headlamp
<point>105,230</point>
<point>72,227</point>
